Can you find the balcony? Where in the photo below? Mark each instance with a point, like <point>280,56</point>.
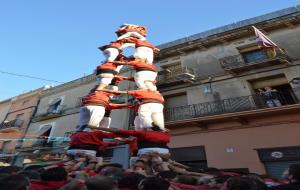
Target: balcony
<point>50,113</point>
<point>230,105</point>
<point>237,63</point>
<point>175,75</point>
<point>17,123</point>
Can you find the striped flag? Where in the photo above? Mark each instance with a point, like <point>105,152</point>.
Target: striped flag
<point>262,40</point>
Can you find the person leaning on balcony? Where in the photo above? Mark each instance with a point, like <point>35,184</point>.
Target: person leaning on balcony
<point>271,96</point>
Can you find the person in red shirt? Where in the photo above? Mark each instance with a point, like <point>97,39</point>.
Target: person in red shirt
<point>145,75</point>
<point>150,111</point>
<point>144,50</point>
<point>131,30</point>
<point>105,122</point>
<point>150,140</point>
<point>93,109</point>
<point>90,143</point>
<point>107,71</point>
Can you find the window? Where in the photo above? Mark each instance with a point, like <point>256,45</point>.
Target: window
<point>44,136</point>
<point>55,106</point>
<point>254,56</point>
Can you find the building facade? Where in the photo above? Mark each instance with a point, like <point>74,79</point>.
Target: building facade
<point>56,118</point>
<point>16,116</point>
<point>217,108</point>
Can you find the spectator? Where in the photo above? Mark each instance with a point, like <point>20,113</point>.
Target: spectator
<point>11,170</point>
<point>14,182</point>
<point>243,183</point>
<point>31,174</point>
<point>51,179</point>
<point>270,97</point>
<point>167,175</point>
<point>154,183</point>
<point>100,183</point>
<point>294,179</point>
<point>130,181</point>
<point>114,173</point>
<point>184,179</point>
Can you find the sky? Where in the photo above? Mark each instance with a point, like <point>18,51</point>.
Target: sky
<point>58,39</point>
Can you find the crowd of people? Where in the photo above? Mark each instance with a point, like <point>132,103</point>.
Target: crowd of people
<point>150,171</point>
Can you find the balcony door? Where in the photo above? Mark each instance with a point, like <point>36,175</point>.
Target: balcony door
<point>282,92</point>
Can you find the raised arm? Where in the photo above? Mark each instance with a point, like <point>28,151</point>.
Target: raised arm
<point>114,91</point>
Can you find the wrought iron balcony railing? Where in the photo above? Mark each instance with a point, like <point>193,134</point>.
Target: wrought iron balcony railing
<point>229,105</point>
<point>236,63</point>
<point>13,123</point>
<point>175,74</point>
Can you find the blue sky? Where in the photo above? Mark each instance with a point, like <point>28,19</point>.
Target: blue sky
<point>58,39</point>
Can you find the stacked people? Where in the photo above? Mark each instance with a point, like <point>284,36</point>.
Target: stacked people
<point>150,134</point>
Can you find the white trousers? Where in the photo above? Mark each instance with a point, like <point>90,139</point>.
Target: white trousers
<point>151,113</point>
<point>105,122</point>
<point>106,78</point>
<point>111,54</point>
<point>91,115</point>
<point>145,79</point>
<point>144,53</point>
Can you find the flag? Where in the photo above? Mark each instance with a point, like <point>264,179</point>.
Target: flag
<point>262,40</point>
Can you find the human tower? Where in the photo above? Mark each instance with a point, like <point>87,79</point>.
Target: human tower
<point>97,105</point>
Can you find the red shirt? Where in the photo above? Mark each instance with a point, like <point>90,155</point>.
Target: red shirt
<point>107,66</point>
<point>91,138</point>
<point>117,79</point>
<point>149,136</point>
<point>99,98</point>
<point>116,44</point>
<point>147,96</point>
<point>140,29</point>
<point>46,185</point>
<point>140,43</point>
<point>140,65</point>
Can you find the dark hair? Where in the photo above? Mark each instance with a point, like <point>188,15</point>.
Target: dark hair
<point>116,165</point>
<point>31,174</point>
<point>222,178</point>
<point>100,183</point>
<point>10,170</point>
<point>245,183</point>
<point>156,183</point>
<point>2,175</point>
<point>188,180</point>
<point>14,182</point>
<point>114,173</point>
<point>54,174</point>
<point>167,174</point>
<point>294,170</point>
<point>38,168</point>
<point>131,180</point>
